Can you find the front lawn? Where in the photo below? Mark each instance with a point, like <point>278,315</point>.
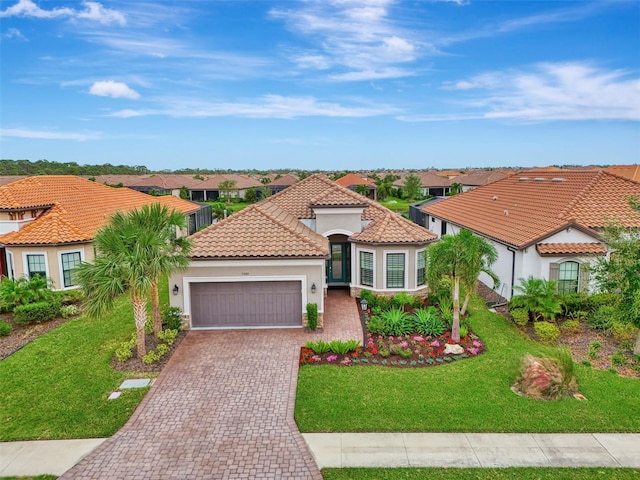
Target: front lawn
<point>528,473</point>
<point>56,387</point>
<point>469,396</point>
<point>396,205</point>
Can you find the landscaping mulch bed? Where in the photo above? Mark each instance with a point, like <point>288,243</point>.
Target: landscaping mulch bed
<point>22,334</point>
<point>135,364</point>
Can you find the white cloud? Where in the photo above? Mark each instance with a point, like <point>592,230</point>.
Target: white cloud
<point>48,135</point>
<point>109,88</point>
<point>364,75</point>
<point>551,91</point>
<point>15,33</point>
<point>92,11</point>
<point>267,106</point>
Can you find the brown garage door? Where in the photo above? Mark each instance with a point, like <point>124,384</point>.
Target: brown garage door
<point>246,304</point>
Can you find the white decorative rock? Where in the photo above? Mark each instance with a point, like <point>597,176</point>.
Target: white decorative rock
<point>455,349</point>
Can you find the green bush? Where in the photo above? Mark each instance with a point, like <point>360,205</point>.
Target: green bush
<point>547,332</point>
<point>312,315</point>
<point>376,326</point>
<point>603,299</point>
<point>168,336</point>
<point>125,351</point>
<point>172,318</point>
<point>70,297</point>
<point>520,316</point>
<point>623,331</point>
<point>369,296</point>
<point>602,318</point>
<point>464,331</point>
<point>575,302</point>
<point>570,326</point>
<point>426,321</point>
<point>446,309</point>
<point>70,310</point>
<point>36,312</point>
<point>318,347</point>
<point>23,291</point>
<point>618,358</point>
<point>397,322</point>
<point>5,329</point>
<point>343,346</point>
<point>401,299</point>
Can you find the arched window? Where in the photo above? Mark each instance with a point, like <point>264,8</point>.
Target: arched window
<point>568,277</point>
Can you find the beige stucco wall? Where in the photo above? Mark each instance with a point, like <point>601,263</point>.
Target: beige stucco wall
<point>308,272</point>
<point>52,259</point>
<point>338,220</point>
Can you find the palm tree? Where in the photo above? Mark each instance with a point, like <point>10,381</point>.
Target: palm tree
<point>460,257</point>
<point>173,254</point>
<point>129,258</point>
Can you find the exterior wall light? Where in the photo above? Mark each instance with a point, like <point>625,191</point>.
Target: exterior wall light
<point>313,288</point>
<point>176,289</point>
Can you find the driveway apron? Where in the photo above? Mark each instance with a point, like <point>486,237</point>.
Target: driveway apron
<point>222,408</point>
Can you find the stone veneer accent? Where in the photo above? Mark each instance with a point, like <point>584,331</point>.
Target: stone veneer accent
<point>355,292</point>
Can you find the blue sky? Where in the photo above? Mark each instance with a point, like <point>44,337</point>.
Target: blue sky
<point>340,84</point>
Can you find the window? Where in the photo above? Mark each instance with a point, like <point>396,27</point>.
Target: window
<point>366,269</point>
<point>36,265</point>
<point>395,270</point>
<point>10,273</point>
<point>69,262</point>
<point>568,276</point>
<point>443,227</point>
<point>420,269</point>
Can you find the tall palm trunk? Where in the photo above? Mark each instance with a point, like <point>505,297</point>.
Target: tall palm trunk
<point>140,317</point>
<point>455,327</point>
<point>465,304</point>
<point>155,307</point>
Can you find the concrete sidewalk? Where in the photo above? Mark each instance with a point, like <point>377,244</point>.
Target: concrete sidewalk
<point>343,450</point>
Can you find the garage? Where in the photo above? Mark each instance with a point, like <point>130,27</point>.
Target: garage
<point>246,304</point>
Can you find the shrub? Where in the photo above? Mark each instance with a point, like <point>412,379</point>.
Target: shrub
<point>546,378</point>
<point>125,351</point>
<point>623,332</point>
<point>446,309</point>
<point>401,299</point>
<point>376,326</point>
<point>397,322</point>
<point>426,321</point>
<point>23,291</point>
<point>603,299</point>
<point>70,297</point>
<point>151,357</point>
<point>343,347</point>
<point>172,318</point>
<point>148,326</point>
<point>520,316</point>
<point>547,332</point>
<point>70,310</point>
<point>318,347</point>
<point>575,302</point>
<point>5,329</point>
<point>312,315</point>
<point>36,312</point>
<point>369,296</point>
<point>168,336</point>
<point>602,318</point>
<point>570,326</point>
<point>618,358</point>
<point>464,331</point>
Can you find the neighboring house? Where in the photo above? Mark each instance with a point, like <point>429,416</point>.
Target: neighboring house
<point>209,188</point>
<point>627,171</point>
<point>546,224</point>
<point>351,181</point>
<point>477,178</point>
<point>262,266</point>
<point>48,223</point>
<point>279,184</point>
<point>430,184</point>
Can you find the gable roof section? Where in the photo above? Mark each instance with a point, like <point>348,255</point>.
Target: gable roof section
<point>262,230</point>
<point>352,179</point>
<point>479,177</point>
<point>283,181</point>
<point>522,209</point>
<point>390,228</point>
<point>75,208</point>
<point>549,249</point>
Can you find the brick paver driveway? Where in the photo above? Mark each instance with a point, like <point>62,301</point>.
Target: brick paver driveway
<point>222,408</point>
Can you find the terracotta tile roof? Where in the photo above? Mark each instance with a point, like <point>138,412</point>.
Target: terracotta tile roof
<point>427,179</point>
<point>351,179</point>
<point>167,181</point>
<point>212,182</point>
<point>393,229</point>
<point>74,208</point>
<point>627,171</point>
<point>522,209</point>
<point>263,230</point>
<point>285,180</point>
<point>594,248</point>
<point>479,177</point>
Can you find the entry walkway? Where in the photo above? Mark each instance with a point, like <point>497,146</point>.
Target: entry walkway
<point>342,450</point>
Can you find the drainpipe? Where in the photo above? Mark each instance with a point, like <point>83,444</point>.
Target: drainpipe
<point>513,268</point>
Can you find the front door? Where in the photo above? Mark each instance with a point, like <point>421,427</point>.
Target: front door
<point>339,265</point>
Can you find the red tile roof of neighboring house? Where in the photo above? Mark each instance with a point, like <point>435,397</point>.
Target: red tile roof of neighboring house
<point>595,248</point>
<point>525,208</point>
<point>212,182</point>
<point>627,171</point>
<point>272,228</point>
<point>351,179</point>
<point>285,180</point>
<point>74,208</point>
<point>427,179</point>
<point>479,177</point>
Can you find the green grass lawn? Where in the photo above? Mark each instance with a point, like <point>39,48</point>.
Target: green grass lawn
<point>532,473</point>
<point>471,395</point>
<point>396,205</point>
<point>57,386</point>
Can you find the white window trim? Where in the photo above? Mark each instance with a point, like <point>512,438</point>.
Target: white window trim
<point>359,281</point>
<point>420,253</point>
<point>25,264</point>
<point>11,265</point>
<point>60,269</point>
<point>406,271</point>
